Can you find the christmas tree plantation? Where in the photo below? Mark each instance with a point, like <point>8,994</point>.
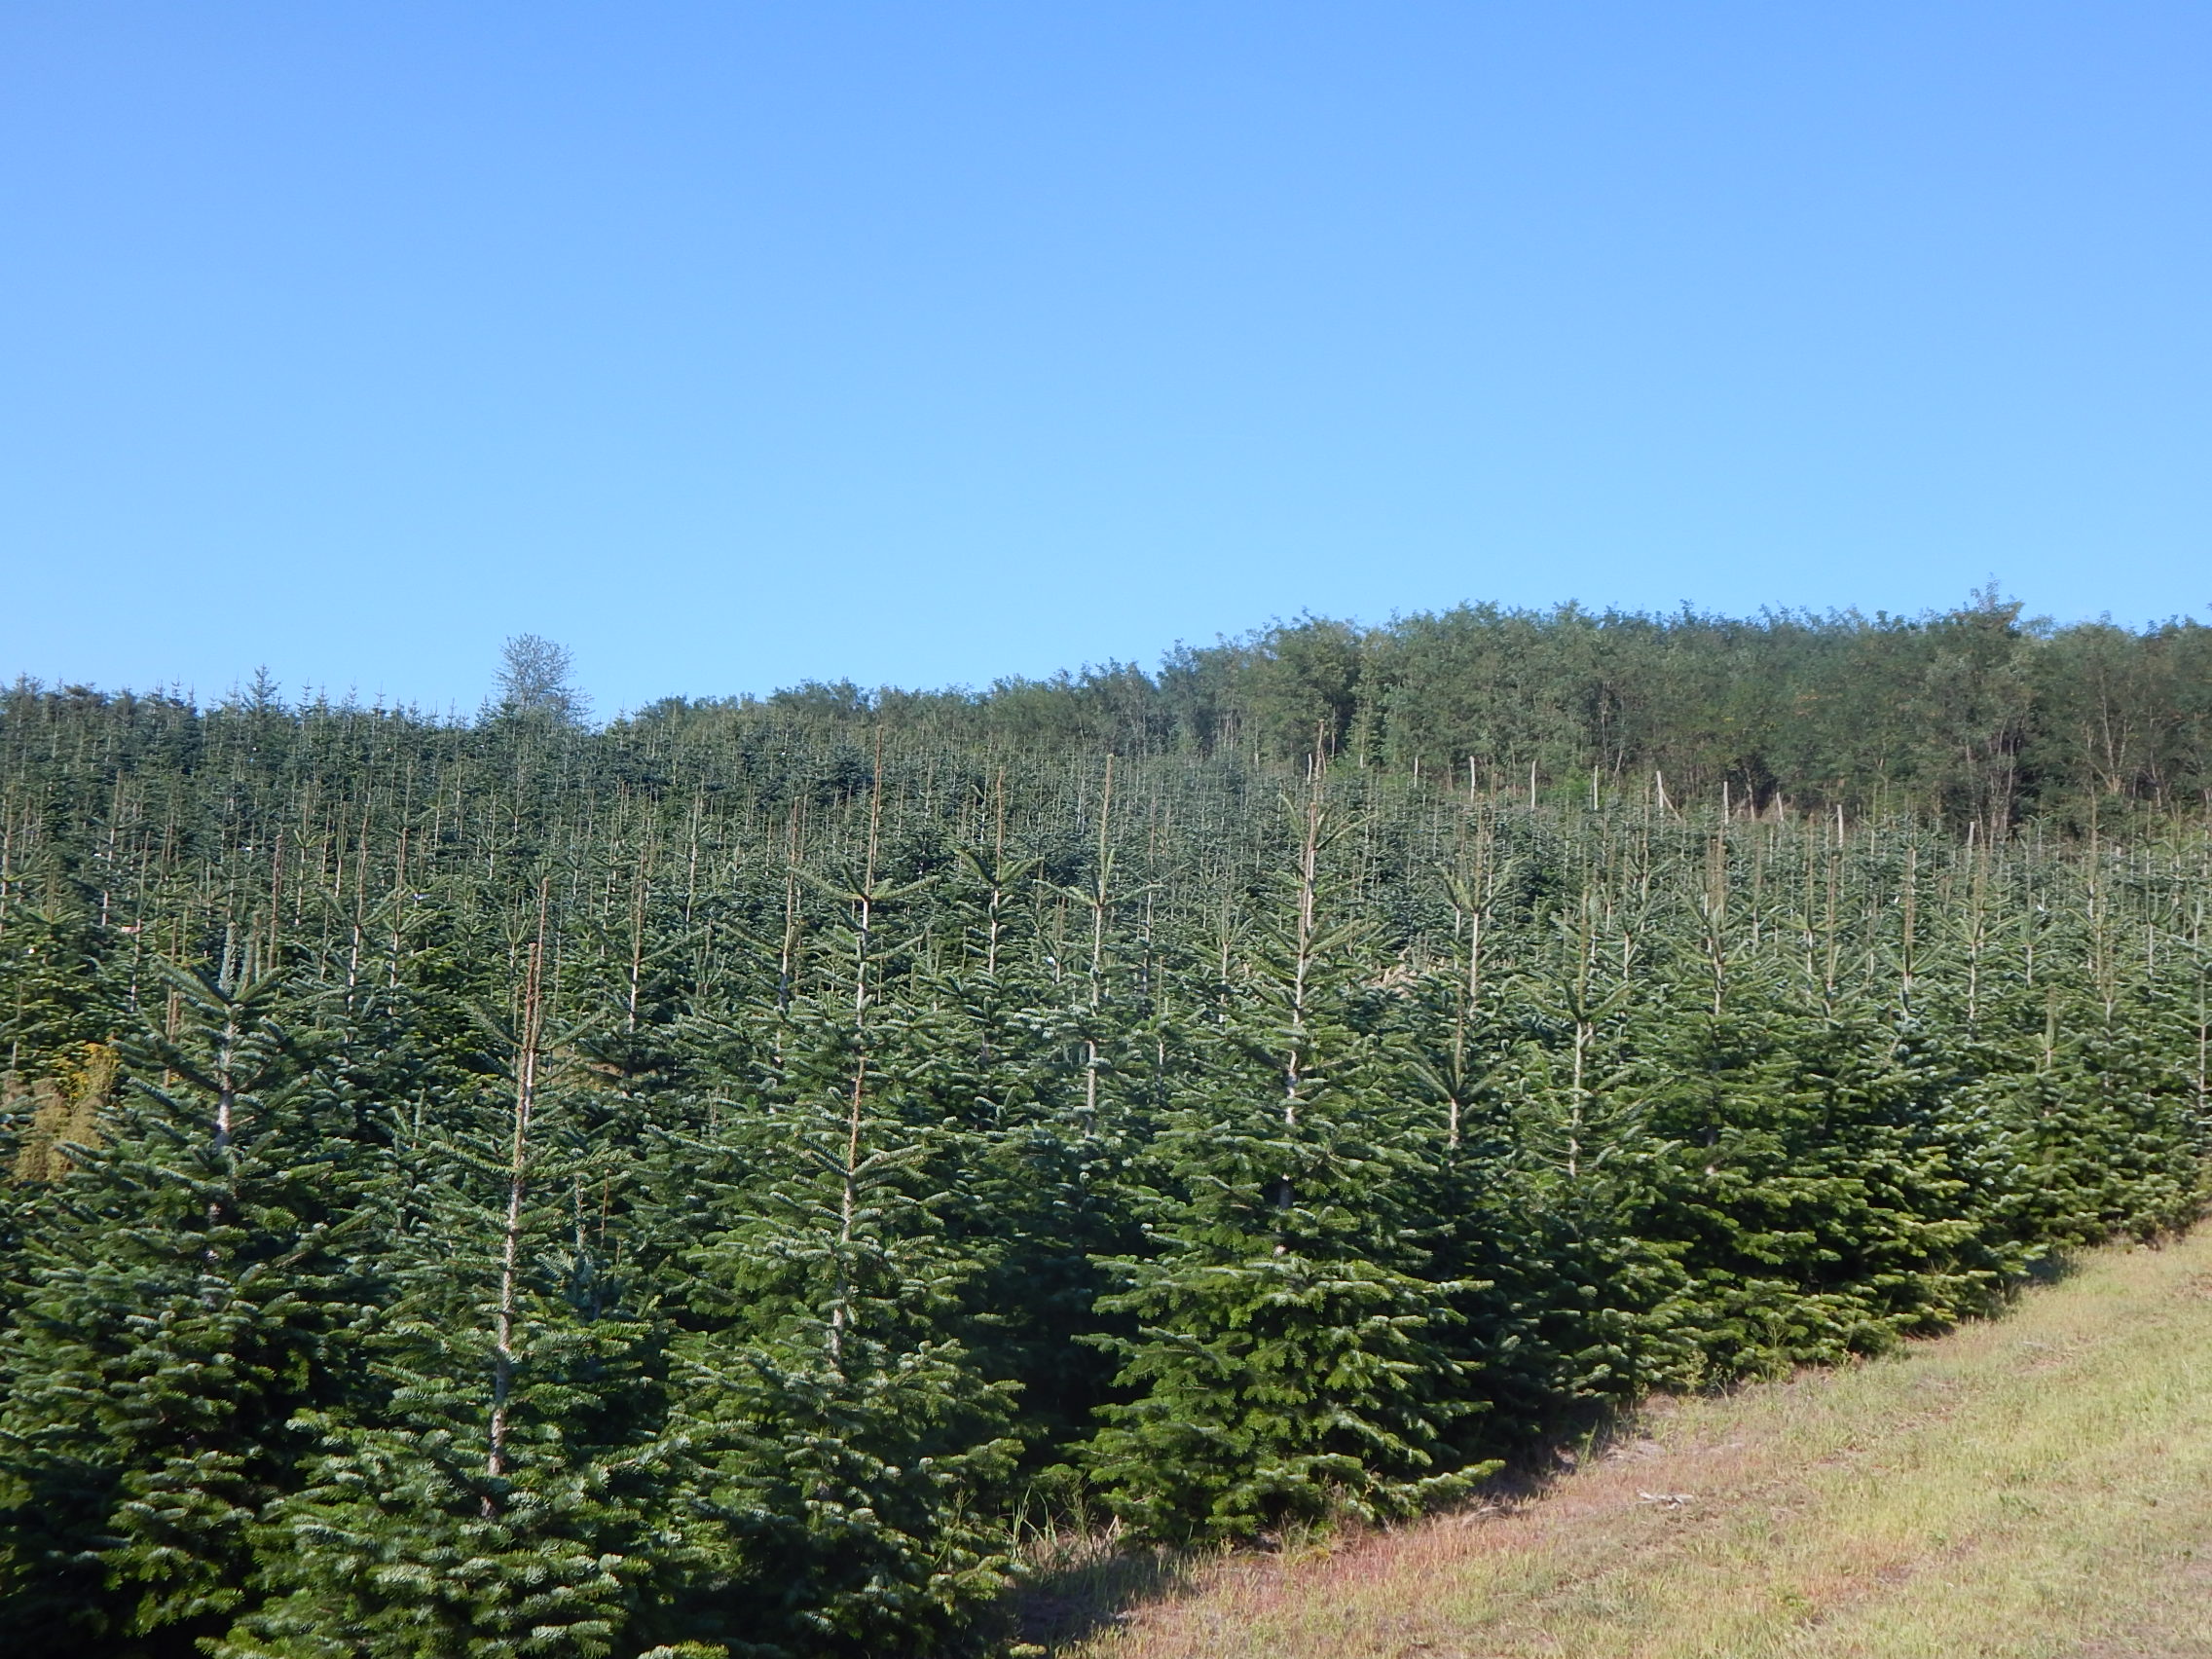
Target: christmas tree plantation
<point>508,1188</point>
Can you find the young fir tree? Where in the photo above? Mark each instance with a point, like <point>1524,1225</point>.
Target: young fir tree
<point>1289,1361</point>
<point>2083,1075</point>
<point>1036,1076</point>
<point>186,1293</point>
<point>2100,1134</point>
<point>1805,1186</point>
<point>497,1497</point>
<point>853,1456</point>
<point>54,996</point>
<point>1577,1311</point>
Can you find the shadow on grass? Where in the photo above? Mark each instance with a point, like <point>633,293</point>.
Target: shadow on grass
<point>1084,1581</point>
<point>1082,1585</point>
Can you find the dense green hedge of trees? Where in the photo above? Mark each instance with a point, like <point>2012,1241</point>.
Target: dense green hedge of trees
<point>694,1186</point>
<point>1974,714</point>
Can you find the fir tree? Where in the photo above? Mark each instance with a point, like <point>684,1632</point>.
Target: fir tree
<point>185,1300</point>
<point>1287,1361</point>
<point>493,1498</point>
<point>853,1456</point>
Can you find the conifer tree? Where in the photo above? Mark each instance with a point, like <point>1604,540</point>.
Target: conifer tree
<point>1579,1310</point>
<point>494,1499</point>
<point>53,998</point>
<point>852,1454</point>
<point>1037,1077</point>
<point>1288,1360</point>
<point>185,1299</point>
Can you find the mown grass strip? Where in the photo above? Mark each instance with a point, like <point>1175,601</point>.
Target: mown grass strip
<point>2040,1485</point>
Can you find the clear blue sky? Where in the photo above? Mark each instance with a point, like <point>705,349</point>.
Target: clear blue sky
<point>736,344</point>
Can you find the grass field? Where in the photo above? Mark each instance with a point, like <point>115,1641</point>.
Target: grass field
<point>2041,1484</point>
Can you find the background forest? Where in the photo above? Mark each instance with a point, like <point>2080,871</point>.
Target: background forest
<point>1970,714</point>
<point>717,1183</point>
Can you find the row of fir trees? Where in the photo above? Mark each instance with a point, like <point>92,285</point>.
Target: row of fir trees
<point>505,1190</point>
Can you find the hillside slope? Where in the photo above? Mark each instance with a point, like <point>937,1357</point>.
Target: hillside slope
<point>2038,1484</point>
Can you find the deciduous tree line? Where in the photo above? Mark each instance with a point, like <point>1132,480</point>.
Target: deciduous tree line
<point>1973,715</point>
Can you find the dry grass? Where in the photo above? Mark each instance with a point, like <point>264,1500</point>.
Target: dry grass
<point>2037,1485</point>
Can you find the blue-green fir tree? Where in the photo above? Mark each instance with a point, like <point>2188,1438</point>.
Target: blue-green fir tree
<point>494,1497</point>
<point>1290,1359</point>
<point>186,1293</point>
<point>852,1455</point>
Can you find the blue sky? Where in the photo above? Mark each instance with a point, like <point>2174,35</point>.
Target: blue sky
<point>734,345</point>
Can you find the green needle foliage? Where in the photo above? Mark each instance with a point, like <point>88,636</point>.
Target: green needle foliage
<point>852,1454</point>
<point>1288,1350</point>
<point>494,1496</point>
<point>186,1291</point>
<point>706,1184</point>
